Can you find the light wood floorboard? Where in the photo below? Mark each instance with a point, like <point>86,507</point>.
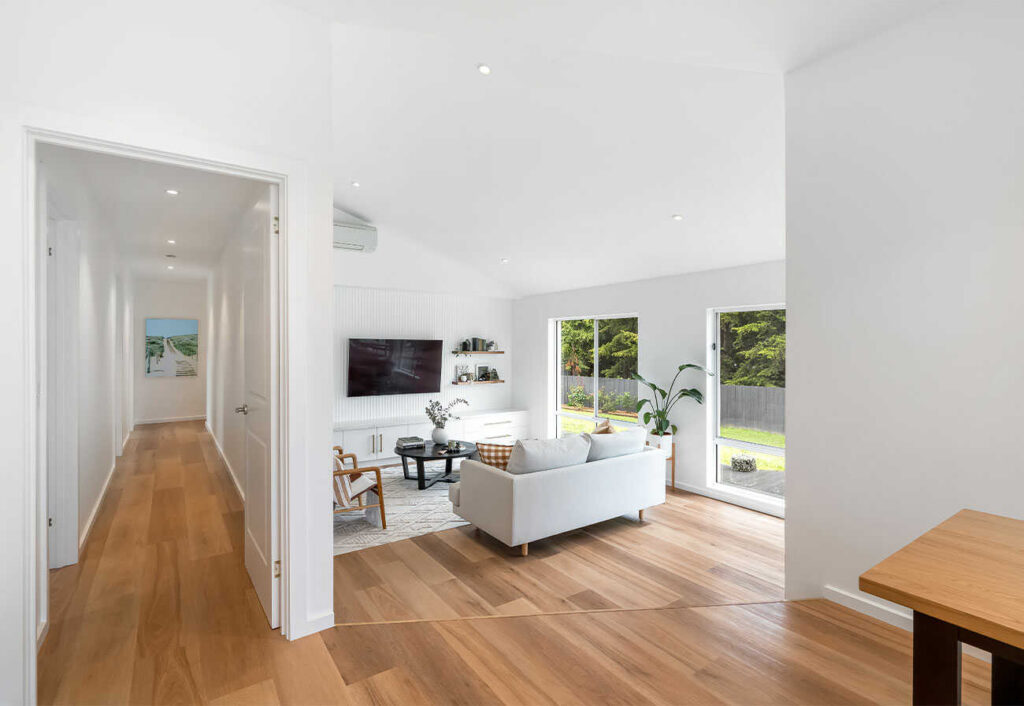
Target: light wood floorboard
<point>684,608</point>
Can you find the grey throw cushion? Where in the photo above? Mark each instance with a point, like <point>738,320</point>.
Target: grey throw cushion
<point>532,455</point>
<point>622,443</point>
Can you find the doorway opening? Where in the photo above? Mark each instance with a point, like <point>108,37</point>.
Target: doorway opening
<point>158,319</point>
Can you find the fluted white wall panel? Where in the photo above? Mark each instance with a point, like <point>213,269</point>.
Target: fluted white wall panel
<point>361,312</point>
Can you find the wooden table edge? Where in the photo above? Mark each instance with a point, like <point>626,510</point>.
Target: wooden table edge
<point>971,622</point>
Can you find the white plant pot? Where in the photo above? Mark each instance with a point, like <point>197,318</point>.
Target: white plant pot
<point>663,442</point>
<point>439,435</point>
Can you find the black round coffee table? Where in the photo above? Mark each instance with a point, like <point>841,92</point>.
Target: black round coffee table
<point>432,452</point>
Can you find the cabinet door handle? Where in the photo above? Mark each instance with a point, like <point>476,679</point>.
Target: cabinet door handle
<point>380,444</point>
<point>373,443</point>
<point>497,424</point>
<point>499,436</point>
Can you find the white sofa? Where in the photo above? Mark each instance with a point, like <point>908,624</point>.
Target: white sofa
<point>521,508</point>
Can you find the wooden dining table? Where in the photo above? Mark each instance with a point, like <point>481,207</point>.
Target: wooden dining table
<point>964,580</point>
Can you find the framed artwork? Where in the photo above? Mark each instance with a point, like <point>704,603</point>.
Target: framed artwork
<point>172,348</point>
<point>482,372</point>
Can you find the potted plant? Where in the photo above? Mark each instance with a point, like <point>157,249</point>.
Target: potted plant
<point>662,402</point>
<point>439,415</point>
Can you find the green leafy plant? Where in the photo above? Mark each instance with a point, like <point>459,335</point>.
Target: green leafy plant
<point>578,397</point>
<point>663,401</point>
<point>440,414</point>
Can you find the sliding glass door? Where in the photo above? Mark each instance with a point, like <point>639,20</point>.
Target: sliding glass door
<point>750,366</point>
<point>596,361</point>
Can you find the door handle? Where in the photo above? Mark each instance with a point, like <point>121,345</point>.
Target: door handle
<point>244,409</point>
<point>380,443</point>
<point>373,443</point>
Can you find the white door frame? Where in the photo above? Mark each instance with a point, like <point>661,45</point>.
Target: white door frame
<point>35,404</point>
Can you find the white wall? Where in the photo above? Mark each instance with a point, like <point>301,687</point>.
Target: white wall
<point>388,313</point>
<point>253,89</point>
<point>97,346</point>
<point>906,237</point>
<point>168,399</point>
<point>672,324</point>
<point>227,356</point>
<point>126,336</point>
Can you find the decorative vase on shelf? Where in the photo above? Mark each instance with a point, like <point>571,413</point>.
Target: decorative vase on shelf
<point>439,435</point>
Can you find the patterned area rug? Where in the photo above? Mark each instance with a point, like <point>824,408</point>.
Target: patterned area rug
<point>410,512</point>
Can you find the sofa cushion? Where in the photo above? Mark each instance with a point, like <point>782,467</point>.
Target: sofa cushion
<point>494,454</point>
<point>532,455</point>
<point>623,443</point>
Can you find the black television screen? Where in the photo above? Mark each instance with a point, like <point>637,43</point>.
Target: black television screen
<point>393,366</point>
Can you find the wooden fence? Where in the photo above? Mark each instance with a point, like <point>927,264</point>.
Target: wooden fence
<point>607,386</point>
<point>761,408</point>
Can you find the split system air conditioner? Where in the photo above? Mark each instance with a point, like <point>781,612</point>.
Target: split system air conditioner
<point>355,236</point>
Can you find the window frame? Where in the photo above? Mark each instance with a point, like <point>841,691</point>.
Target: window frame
<point>557,411</point>
<point>753,499</point>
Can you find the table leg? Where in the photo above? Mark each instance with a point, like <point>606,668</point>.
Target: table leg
<point>405,468</point>
<point>1007,681</point>
<point>421,478</point>
<point>936,661</point>
<point>448,466</point>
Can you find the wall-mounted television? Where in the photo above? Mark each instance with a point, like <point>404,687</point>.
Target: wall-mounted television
<point>393,366</point>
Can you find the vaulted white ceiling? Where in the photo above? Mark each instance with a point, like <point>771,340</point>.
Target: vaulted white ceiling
<point>599,122</point>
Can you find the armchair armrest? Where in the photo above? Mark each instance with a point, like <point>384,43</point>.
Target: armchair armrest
<point>341,456</point>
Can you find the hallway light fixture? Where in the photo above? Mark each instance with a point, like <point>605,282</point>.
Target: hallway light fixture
<point>170,242</point>
<point>170,267</point>
<point>355,184</point>
<point>676,217</point>
<point>484,69</point>
<point>172,192</point>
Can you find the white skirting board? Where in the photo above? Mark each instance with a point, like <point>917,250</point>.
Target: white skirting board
<point>231,471</point>
<point>886,612</point>
<point>96,508</point>
<point>171,419</point>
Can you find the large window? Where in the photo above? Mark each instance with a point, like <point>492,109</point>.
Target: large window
<point>597,359</point>
<point>750,366</point>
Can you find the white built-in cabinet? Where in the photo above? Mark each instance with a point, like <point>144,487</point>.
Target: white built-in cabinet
<point>376,440</point>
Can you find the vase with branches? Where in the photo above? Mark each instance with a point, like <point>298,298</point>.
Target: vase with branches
<point>440,415</point>
<point>662,401</point>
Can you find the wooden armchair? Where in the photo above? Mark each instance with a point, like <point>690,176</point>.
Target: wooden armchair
<point>352,484</point>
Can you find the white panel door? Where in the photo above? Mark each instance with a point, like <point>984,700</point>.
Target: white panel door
<point>262,541</point>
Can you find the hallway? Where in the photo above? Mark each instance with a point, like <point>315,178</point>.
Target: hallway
<point>160,608</point>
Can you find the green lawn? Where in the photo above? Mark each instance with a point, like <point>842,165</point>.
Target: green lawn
<point>754,436</point>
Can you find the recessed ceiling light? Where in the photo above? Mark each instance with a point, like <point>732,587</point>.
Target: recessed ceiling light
<point>355,184</point>
<point>172,192</point>
<point>676,217</point>
<point>170,242</point>
<point>484,69</point>
<point>504,260</point>
<point>170,267</point>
